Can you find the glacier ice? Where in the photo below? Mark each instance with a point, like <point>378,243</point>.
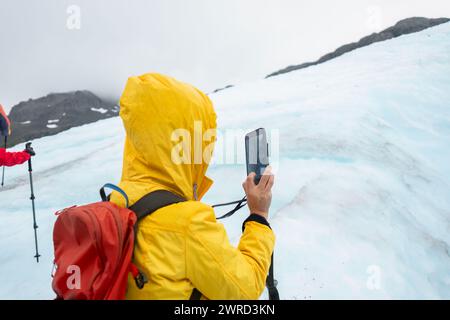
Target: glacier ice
<point>361,204</point>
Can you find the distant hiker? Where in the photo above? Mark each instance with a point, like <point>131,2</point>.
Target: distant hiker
<point>9,159</point>
<point>181,248</point>
<point>5,124</point>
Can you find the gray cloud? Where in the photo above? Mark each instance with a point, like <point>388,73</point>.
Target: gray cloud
<point>208,43</point>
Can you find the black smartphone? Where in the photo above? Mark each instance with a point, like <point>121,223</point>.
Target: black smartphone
<point>256,152</point>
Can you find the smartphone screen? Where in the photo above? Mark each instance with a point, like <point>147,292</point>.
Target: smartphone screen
<point>256,152</point>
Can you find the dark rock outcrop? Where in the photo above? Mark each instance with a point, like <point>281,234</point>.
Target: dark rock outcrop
<point>402,27</point>
<point>226,87</point>
<point>56,112</point>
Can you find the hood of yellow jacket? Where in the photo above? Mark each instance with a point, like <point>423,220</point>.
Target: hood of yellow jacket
<point>170,133</point>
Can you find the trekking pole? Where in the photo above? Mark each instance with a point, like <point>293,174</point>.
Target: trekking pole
<point>3,174</point>
<point>30,171</point>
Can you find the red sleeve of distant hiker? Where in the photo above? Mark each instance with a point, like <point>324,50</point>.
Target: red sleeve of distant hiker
<point>10,159</point>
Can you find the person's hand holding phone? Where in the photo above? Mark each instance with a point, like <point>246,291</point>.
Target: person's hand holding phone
<point>259,196</point>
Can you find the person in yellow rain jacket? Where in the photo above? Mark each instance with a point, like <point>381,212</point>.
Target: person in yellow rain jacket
<point>181,247</point>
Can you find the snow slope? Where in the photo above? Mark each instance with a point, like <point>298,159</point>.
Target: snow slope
<point>362,197</point>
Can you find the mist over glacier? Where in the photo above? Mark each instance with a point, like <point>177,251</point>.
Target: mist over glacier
<point>361,204</point>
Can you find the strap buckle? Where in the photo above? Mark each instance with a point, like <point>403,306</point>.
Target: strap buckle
<point>139,277</point>
<point>140,280</point>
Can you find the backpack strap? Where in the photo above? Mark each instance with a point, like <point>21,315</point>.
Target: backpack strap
<point>150,203</point>
<point>146,206</point>
<point>153,201</point>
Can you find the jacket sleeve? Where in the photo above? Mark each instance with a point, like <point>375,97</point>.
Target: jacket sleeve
<point>10,159</point>
<point>219,270</point>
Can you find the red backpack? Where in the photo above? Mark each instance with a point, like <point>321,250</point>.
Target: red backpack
<point>94,246</point>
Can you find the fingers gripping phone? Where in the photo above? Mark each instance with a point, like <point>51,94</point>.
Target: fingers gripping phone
<point>256,152</point>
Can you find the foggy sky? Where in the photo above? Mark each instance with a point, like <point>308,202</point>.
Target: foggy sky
<point>210,43</point>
